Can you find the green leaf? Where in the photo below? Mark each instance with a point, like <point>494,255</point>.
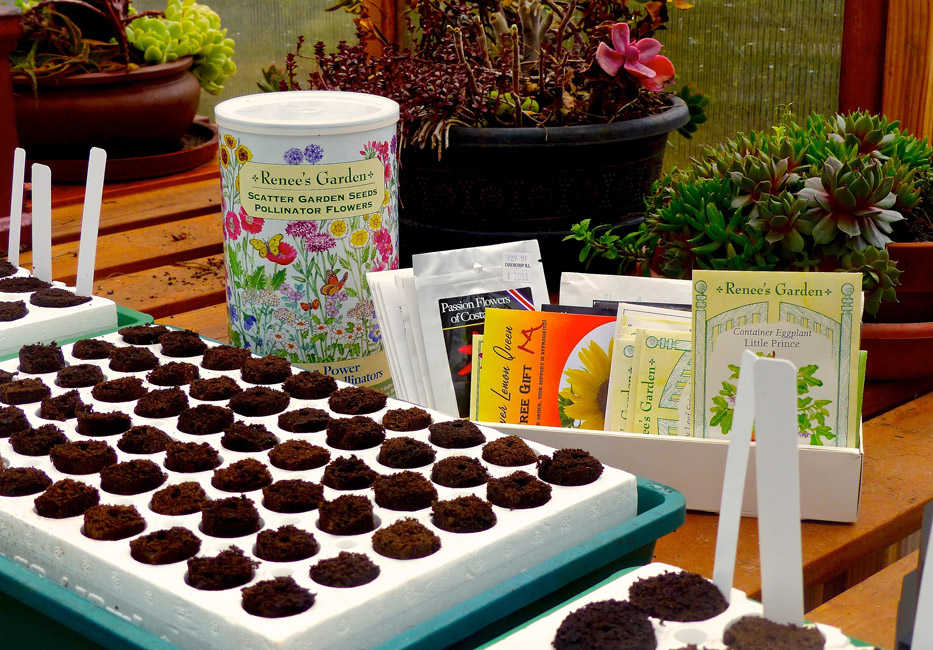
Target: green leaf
<point>235,269</point>
<point>726,424</point>
<point>256,279</point>
<point>278,279</point>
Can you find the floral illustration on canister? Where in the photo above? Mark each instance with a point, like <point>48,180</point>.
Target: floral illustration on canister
<point>297,288</point>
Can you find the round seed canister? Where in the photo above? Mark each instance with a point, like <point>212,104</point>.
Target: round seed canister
<point>309,200</point>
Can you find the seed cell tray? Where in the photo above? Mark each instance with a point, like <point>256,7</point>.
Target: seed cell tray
<point>101,591</point>
<point>22,321</point>
<point>707,634</point>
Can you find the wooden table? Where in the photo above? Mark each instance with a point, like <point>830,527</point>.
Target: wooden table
<point>160,252</point>
<point>868,611</point>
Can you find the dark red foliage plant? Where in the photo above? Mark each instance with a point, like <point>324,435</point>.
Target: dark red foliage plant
<point>495,63</point>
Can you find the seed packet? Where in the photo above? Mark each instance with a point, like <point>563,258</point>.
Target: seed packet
<point>612,306</point>
<point>477,365</point>
<point>584,288</point>
<point>454,288</point>
<point>631,319</point>
<point>548,369</point>
<point>631,315</point>
<point>609,309</point>
<point>659,398</point>
<point>393,295</point>
<point>810,319</point>
<point>620,382</point>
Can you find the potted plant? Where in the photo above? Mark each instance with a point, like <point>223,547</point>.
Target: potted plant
<point>831,193</point>
<point>96,72</point>
<point>517,117</point>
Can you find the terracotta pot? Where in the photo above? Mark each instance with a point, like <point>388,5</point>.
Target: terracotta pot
<point>146,109</point>
<point>899,341</point>
<point>898,351</point>
<point>915,295</point>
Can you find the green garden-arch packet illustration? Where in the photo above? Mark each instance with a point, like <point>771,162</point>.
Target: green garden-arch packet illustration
<point>659,395</point>
<point>811,319</point>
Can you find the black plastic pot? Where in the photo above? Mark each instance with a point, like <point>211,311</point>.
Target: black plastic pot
<point>503,184</point>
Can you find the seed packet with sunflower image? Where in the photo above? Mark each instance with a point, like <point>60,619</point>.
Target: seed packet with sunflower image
<point>545,368</point>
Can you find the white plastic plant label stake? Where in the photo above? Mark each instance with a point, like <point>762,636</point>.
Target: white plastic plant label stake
<point>923,623</point>
<point>733,484</point>
<point>90,221</point>
<point>42,222</point>
<point>777,463</point>
<point>16,205</point>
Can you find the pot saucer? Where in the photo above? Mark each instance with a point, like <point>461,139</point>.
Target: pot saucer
<point>198,147</point>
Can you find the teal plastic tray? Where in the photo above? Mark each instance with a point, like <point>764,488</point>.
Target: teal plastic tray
<point>581,595</point>
<point>35,611</point>
<point>125,318</point>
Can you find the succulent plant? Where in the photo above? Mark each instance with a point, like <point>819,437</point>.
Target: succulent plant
<point>814,195</point>
<point>700,227</point>
<point>880,275</point>
<point>868,134</point>
<point>759,177</point>
<point>783,219</point>
<point>696,103</point>
<point>853,198</point>
<point>860,134</point>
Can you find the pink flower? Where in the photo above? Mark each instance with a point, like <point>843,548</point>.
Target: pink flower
<point>663,72</point>
<point>383,240</point>
<point>231,225</point>
<point>250,224</point>
<point>639,58</point>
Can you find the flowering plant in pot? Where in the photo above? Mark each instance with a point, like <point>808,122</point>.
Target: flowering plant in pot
<point>517,115</point>
<point>830,193</point>
<point>97,72</point>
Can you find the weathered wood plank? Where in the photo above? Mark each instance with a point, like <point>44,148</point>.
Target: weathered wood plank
<point>168,289</point>
<point>861,77</point>
<point>208,321</point>
<point>908,88</point>
<point>68,194</point>
<point>143,248</point>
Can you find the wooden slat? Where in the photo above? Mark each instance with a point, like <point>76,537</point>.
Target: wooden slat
<point>868,611</point>
<point>168,289</point>
<point>908,88</point>
<point>68,194</point>
<point>861,76</point>
<point>209,321</point>
<point>145,208</point>
<point>125,252</point>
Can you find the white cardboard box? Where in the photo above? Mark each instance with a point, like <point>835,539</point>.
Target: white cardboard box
<point>830,477</point>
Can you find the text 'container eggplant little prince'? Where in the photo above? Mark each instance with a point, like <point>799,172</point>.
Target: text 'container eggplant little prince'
<point>309,199</point>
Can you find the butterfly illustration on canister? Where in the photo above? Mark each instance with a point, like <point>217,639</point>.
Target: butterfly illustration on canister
<point>275,250</point>
<point>333,285</point>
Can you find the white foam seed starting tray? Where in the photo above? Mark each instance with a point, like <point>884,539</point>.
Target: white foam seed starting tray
<point>670,635</point>
<point>44,324</point>
<point>406,592</point>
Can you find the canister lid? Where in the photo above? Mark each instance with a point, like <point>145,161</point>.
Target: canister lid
<point>306,112</point>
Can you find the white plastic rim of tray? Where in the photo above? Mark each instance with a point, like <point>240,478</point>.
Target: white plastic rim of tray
<point>670,634</point>
<point>406,593</point>
<point>46,324</point>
